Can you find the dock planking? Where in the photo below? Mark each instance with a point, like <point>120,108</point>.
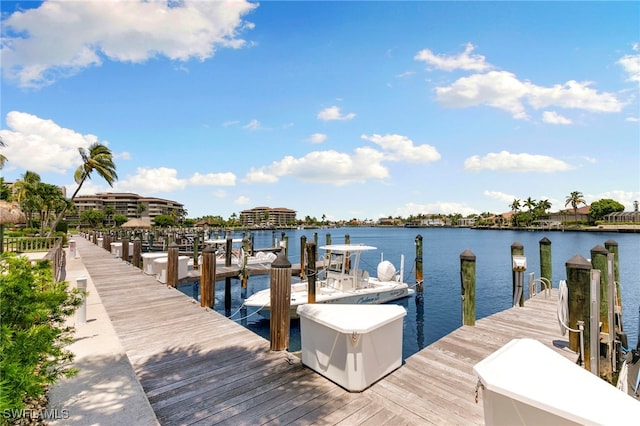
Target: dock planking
<point>198,367</point>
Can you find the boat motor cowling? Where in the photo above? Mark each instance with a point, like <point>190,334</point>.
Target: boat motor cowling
<point>386,271</point>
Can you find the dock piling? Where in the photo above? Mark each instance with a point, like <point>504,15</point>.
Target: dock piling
<point>303,249</point>
<point>196,243</point>
<point>579,297</point>
<point>208,277</point>
<point>517,249</point>
<point>136,258</point>
<point>172,265</point>
<point>419,276</point>
<point>545,261</point>
<point>312,273</point>
<point>280,284</point>
<point>125,249</point>
<point>468,286</point>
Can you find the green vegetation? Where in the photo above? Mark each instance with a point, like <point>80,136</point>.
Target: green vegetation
<point>599,209</point>
<point>33,308</point>
<point>94,217</point>
<point>119,219</point>
<point>163,220</point>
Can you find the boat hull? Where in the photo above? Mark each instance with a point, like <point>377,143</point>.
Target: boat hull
<point>357,298</point>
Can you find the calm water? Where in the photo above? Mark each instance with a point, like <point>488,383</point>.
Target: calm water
<point>439,311</point>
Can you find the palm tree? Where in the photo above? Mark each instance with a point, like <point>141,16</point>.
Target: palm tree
<point>544,205</point>
<point>3,159</point>
<point>97,158</point>
<point>575,199</point>
<point>25,192</point>
<point>529,203</point>
<point>515,208</point>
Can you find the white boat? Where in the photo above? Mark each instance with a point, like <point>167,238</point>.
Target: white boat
<point>237,254</point>
<point>342,281</point>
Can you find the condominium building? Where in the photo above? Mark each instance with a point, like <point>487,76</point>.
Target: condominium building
<point>265,217</point>
<point>126,204</point>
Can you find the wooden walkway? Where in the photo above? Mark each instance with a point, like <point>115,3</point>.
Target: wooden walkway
<point>198,367</point>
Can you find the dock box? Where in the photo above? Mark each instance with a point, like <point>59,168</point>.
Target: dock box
<point>525,382</point>
<point>352,345</point>
<point>116,249</point>
<point>148,262</point>
<point>160,265</point>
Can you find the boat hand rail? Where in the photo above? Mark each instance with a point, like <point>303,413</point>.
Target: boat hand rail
<point>545,286</point>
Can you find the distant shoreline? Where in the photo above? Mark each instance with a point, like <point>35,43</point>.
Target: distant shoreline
<point>600,228</point>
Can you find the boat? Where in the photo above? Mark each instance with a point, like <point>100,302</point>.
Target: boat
<point>342,281</point>
<point>238,255</point>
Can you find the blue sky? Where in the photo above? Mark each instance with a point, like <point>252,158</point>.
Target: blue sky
<point>342,109</point>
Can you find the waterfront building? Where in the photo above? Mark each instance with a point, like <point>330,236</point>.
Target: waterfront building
<point>126,204</point>
<point>267,217</point>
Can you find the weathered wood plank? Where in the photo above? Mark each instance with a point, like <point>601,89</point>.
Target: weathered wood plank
<point>198,367</point>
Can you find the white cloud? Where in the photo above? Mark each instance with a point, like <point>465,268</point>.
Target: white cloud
<point>165,179</point>
<point>553,117</point>
<point>572,94</point>
<point>41,145</point>
<point>260,175</point>
<point>625,198</point>
<point>213,179</point>
<point>631,64</point>
<point>464,61</point>
<point>252,125</point>
<point>317,138</point>
<point>405,74</point>
<point>241,201</point>
<point>122,155</point>
<point>149,180</point>
<point>333,113</point>
<point>331,167</point>
<point>506,161</point>
<point>499,89</point>
<point>500,196</point>
<point>126,31</point>
<point>220,193</point>
<point>401,148</point>
<point>89,187</point>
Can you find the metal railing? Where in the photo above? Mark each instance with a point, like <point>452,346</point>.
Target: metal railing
<point>545,285</point>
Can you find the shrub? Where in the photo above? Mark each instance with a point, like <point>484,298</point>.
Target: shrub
<point>33,336</point>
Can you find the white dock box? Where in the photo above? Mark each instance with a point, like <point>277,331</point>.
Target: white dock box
<point>148,259</point>
<point>160,266</point>
<point>352,345</point>
<point>116,249</point>
<point>527,383</point>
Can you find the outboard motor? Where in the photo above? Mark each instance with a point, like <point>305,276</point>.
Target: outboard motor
<point>386,271</point>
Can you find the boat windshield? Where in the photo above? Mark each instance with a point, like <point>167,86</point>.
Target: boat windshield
<point>336,262</point>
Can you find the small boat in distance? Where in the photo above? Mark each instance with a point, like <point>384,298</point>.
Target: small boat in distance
<point>342,281</point>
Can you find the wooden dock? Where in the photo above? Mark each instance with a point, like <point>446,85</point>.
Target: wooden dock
<point>198,367</point>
